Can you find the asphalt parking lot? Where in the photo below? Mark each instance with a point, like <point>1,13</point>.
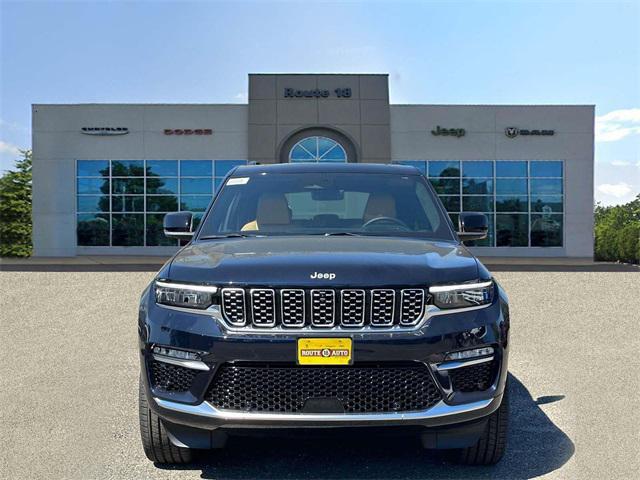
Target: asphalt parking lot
<point>69,372</point>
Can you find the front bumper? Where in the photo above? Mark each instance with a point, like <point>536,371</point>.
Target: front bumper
<point>427,345</point>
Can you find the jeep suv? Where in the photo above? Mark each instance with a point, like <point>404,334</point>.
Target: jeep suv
<point>324,295</point>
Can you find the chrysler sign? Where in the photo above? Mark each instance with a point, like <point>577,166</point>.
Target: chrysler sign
<point>104,131</point>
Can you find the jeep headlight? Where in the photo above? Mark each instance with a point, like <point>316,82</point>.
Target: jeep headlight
<point>462,295</point>
<point>184,295</point>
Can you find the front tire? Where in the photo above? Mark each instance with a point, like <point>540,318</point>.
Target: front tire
<point>493,443</point>
<point>155,440</point>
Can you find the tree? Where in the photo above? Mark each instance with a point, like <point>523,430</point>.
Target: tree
<point>15,209</point>
<point>617,232</point>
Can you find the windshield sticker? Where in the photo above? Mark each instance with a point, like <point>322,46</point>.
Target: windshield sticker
<point>238,181</point>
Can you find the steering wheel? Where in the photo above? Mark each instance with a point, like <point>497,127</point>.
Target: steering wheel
<point>388,220</point>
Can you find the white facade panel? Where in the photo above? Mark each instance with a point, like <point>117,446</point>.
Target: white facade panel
<point>58,143</point>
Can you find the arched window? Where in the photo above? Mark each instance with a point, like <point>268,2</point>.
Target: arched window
<point>317,149</point>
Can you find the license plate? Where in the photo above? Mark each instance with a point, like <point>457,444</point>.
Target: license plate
<point>324,351</point>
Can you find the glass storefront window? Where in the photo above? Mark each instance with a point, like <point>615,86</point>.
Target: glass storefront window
<point>440,168</point>
<point>92,203</point>
<point>508,186</point>
<point>546,169</point>
<point>511,169</point>
<point>162,203</point>
<point>546,230</point>
<point>541,203</point>
<point>477,169</point>
<point>123,202</point>
<point>127,168</point>
<point>546,186</point>
<point>123,186</point>
<point>127,203</point>
<point>477,186</point>
<point>162,186</point>
<point>93,168</point>
<point>317,149</point>
<point>127,229</point>
<point>191,186</point>
<point>196,168</point>
<point>162,168</point>
<point>514,194</point>
<point>92,186</point>
<point>512,230</point>
<point>477,203</point>
<point>93,229</point>
<point>512,203</point>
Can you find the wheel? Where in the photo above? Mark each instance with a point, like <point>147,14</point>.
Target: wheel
<point>493,443</point>
<point>155,440</point>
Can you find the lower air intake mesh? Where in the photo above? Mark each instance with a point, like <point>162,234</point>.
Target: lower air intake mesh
<point>359,389</point>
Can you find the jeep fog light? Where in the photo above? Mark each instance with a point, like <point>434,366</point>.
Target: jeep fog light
<point>466,354</point>
<point>462,295</point>
<point>184,295</point>
<point>172,352</point>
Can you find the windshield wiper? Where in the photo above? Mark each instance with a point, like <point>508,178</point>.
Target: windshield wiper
<point>228,235</point>
<point>337,234</point>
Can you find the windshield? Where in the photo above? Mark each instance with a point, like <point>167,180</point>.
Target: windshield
<point>326,204</point>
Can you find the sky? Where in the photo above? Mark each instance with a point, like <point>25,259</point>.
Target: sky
<point>457,52</point>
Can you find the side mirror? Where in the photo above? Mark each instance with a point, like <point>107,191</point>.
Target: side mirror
<point>473,226</point>
<point>178,225</point>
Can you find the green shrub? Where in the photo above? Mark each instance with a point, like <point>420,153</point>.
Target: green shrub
<point>617,232</point>
<point>15,209</point>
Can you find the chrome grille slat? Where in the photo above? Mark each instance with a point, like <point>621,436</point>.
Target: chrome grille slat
<point>263,307</point>
<point>348,309</point>
<point>411,305</point>
<point>292,307</point>
<point>353,307</point>
<point>233,306</point>
<point>383,305</point>
<point>323,308</point>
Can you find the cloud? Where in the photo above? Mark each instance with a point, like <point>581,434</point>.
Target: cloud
<point>622,163</point>
<point>8,149</point>
<point>618,190</point>
<point>618,124</point>
<point>241,97</point>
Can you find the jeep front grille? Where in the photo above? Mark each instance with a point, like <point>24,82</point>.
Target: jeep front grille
<point>233,306</point>
<point>292,308</point>
<point>263,307</point>
<point>322,308</point>
<point>284,388</point>
<point>383,303</point>
<point>353,307</point>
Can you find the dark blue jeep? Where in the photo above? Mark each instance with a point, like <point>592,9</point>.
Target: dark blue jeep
<point>321,295</point>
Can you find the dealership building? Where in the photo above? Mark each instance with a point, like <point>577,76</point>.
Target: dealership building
<point>104,175</point>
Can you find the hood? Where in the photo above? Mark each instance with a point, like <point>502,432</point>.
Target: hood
<point>348,261</point>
